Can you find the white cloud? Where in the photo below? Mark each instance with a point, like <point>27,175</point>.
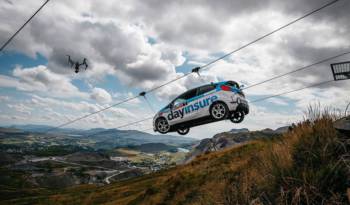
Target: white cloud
<point>100,95</point>
<point>61,111</point>
<point>20,108</point>
<point>43,80</point>
<point>4,98</point>
<point>8,82</point>
<point>115,36</point>
<point>278,101</point>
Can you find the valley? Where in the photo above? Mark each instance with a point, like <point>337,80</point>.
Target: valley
<point>75,157</point>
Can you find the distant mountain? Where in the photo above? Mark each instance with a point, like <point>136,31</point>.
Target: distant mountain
<point>282,130</point>
<point>10,130</point>
<point>233,137</point>
<point>116,138</point>
<point>97,138</point>
<point>40,128</point>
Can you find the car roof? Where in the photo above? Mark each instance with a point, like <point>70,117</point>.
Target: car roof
<point>215,84</point>
<point>218,83</point>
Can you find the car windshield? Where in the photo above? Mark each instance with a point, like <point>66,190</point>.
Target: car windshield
<point>232,84</point>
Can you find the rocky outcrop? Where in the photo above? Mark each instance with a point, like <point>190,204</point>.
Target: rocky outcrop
<point>228,139</point>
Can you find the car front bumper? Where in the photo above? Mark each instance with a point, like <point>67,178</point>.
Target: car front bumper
<point>243,107</point>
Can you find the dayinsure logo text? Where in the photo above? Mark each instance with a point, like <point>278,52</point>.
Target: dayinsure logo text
<point>190,108</point>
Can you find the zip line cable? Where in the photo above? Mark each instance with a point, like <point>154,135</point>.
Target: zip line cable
<point>196,70</point>
<point>299,69</point>
<point>133,123</point>
<point>19,30</point>
<point>270,33</point>
<point>129,99</point>
<point>254,101</point>
<point>92,113</point>
<point>149,105</point>
<point>143,94</point>
<point>292,91</point>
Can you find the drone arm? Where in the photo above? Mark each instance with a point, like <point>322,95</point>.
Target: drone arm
<point>70,61</point>
<point>84,63</point>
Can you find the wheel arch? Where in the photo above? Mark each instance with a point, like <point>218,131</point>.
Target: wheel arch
<point>217,101</point>
<point>160,117</point>
<point>157,119</point>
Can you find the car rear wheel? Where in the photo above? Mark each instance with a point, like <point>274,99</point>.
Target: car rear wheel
<point>163,126</point>
<point>237,117</point>
<point>183,131</point>
<point>219,111</point>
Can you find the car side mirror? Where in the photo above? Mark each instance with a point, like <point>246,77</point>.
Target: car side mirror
<point>241,87</point>
<point>171,105</point>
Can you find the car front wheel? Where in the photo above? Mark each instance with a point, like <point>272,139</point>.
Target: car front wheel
<point>219,111</point>
<point>237,117</point>
<point>183,131</point>
<point>163,126</point>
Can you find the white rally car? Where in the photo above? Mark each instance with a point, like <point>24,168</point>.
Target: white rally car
<point>202,105</point>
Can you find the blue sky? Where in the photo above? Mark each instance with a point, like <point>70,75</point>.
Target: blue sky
<point>134,46</point>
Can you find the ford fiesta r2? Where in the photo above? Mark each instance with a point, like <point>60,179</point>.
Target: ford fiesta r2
<point>202,105</point>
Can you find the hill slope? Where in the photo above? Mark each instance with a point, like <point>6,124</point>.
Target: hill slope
<point>305,166</point>
<point>225,140</point>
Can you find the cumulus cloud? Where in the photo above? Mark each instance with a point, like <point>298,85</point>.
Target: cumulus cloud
<point>100,95</point>
<point>113,47</point>
<point>43,80</point>
<point>115,37</point>
<point>4,98</point>
<point>21,108</point>
<point>61,111</point>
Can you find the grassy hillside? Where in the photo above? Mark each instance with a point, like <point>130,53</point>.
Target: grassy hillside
<point>307,165</point>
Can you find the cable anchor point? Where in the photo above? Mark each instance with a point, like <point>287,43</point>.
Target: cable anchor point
<point>143,94</point>
<point>196,70</point>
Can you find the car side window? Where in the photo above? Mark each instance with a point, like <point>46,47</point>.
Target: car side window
<point>187,95</point>
<point>205,89</point>
<point>179,101</point>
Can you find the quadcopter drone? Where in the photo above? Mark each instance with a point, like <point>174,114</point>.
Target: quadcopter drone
<point>76,64</point>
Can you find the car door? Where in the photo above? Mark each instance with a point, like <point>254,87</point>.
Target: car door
<point>204,94</point>
<point>179,112</point>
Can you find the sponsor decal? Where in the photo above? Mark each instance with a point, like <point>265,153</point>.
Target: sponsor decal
<point>180,113</point>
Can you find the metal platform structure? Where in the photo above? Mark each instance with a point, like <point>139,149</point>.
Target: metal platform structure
<point>343,125</point>
<point>341,71</point>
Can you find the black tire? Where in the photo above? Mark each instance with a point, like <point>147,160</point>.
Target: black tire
<point>183,131</point>
<point>237,117</point>
<point>162,126</point>
<point>219,111</point>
